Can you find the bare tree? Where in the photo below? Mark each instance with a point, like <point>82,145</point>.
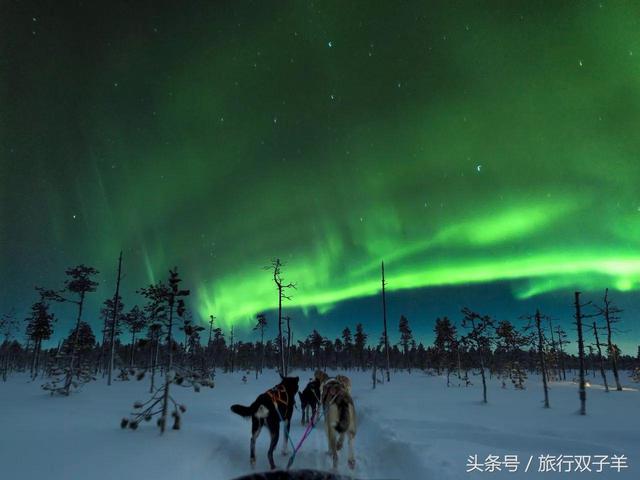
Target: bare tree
<point>233,351</point>
<point>110,329</point>
<point>384,321</point>
<point>480,339</point>
<point>562,340</point>
<point>600,359</point>
<point>288,350</point>
<point>582,388</point>
<point>136,321</point>
<point>276,268</point>
<point>610,313</point>
<point>539,340</point>
<point>114,321</point>
<point>261,325</point>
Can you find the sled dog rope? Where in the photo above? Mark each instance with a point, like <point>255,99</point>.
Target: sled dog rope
<point>288,437</point>
<point>314,421</point>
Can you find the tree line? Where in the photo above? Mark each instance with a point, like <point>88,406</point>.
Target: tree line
<point>165,340</point>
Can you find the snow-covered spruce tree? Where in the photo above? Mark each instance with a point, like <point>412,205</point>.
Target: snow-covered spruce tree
<point>170,300</point>
<point>479,340</point>
<point>66,373</point>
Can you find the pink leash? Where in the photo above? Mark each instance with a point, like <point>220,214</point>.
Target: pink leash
<point>306,433</point>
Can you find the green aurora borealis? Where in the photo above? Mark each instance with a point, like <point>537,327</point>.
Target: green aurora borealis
<point>461,143</point>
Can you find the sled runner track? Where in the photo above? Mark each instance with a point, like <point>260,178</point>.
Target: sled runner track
<point>379,453</point>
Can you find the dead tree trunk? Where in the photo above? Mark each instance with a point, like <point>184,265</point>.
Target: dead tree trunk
<point>384,319</point>
<point>600,359</point>
<point>543,366</point>
<point>609,318</point>
<point>114,321</point>
<point>282,364</point>
<point>288,356</point>
<point>261,348</point>
<point>561,358</point>
<point>36,356</point>
<point>484,380</point>
<point>582,388</point>
<point>154,364</point>
<point>232,351</point>
<point>276,266</point>
<point>554,357</point>
<point>133,348</point>
<point>208,351</point>
<point>74,349</point>
<point>168,374</point>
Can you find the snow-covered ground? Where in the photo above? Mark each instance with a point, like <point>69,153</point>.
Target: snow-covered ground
<point>413,427</point>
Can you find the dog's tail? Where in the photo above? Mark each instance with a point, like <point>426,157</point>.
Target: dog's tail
<point>343,415</point>
<point>245,411</point>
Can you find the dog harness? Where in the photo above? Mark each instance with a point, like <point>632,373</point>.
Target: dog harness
<point>333,390</point>
<point>279,394</point>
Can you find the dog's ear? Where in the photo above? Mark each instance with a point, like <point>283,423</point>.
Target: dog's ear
<point>281,377</point>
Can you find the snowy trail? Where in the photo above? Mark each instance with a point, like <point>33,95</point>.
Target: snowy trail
<point>379,453</point>
<point>413,427</point>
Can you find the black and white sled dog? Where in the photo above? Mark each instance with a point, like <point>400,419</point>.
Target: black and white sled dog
<point>268,409</point>
<point>339,417</point>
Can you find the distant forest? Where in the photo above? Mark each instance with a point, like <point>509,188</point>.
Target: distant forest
<point>165,337</point>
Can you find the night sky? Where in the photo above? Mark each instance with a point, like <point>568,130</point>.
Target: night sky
<point>488,152</point>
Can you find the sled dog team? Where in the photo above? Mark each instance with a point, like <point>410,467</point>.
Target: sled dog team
<point>332,394</point>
